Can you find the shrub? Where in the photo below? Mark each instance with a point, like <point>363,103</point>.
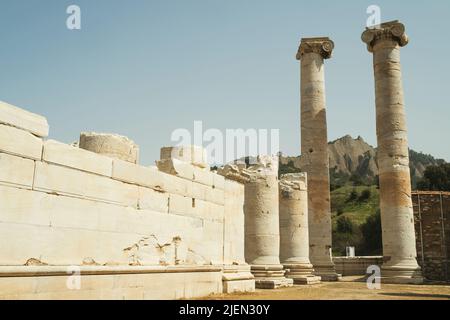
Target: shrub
<point>372,237</point>
<point>353,196</point>
<point>365,195</point>
<point>436,178</point>
<point>344,225</point>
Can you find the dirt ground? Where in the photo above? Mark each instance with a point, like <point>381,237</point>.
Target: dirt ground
<point>347,289</point>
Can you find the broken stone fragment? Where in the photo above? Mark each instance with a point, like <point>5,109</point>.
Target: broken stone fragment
<point>293,181</point>
<point>35,262</point>
<point>265,165</point>
<point>111,145</point>
<point>233,172</point>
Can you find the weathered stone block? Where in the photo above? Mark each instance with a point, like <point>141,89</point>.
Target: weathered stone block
<point>194,155</point>
<point>196,208</point>
<point>16,171</point>
<point>19,142</point>
<point>177,168</point>
<point>104,283</point>
<point>150,199</point>
<point>218,181</point>
<point>207,193</point>
<point>204,176</point>
<point>192,173</point>
<point>230,287</point>
<point>71,182</point>
<point>64,246</point>
<point>181,205</point>
<point>66,155</point>
<point>22,119</point>
<point>19,206</point>
<point>150,177</point>
<point>154,232</point>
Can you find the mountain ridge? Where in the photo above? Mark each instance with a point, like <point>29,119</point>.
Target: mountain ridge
<point>352,158</point>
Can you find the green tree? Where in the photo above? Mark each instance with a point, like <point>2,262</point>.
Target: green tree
<point>352,196</point>
<point>365,195</point>
<point>372,237</point>
<point>357,180</point>
<point>436,178</point>
<point>344,225</point>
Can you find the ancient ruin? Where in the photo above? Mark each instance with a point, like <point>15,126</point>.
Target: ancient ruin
<point>314,142</point>
<point>87,221</point>
<point>294,230</point>
<point>262,231</point>
<point>134,232</point>
<point>432,224</point>
<point>399,245</point>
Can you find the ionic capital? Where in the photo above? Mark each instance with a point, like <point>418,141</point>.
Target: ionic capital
<point>393,30</point>
<point>323,46</point>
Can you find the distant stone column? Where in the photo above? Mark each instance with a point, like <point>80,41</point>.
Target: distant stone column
<point>110,145</point>
<point>294,235</point>
<point>262,232</point>
<point>315,160</point>
<point>399,245</point>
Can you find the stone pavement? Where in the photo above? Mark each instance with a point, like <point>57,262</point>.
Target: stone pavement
<point>347,289</point>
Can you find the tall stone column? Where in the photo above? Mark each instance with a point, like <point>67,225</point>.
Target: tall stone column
<point>262,233</point>
<point>315,161</point>
<point>399,245</point>
<point>294,235</point>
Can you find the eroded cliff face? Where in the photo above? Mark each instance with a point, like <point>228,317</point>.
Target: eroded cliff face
<point>350,156</point>
<point>353,156</point>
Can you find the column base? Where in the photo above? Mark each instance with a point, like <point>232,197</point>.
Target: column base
<point>302,274</point>
<point>306,280</point>
<point>237,279</point>
<point>401,275</point>
<point>327,272</point>
<point>274,283</point>
<point>270,277</point>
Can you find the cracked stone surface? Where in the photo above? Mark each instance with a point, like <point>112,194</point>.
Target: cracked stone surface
<point>315,160</point>
<point>399,245</point>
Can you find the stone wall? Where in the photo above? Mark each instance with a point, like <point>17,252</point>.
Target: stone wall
<point>432,224</point>
<point>64,206</point>
<point>355,266</point>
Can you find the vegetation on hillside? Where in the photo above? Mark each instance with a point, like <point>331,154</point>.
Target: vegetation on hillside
<point>424,160</point>
<point>436,178</point>
<point>355,212</point>
<point>355,218</point>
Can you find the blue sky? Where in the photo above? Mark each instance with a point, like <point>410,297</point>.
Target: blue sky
<point>144,68</point>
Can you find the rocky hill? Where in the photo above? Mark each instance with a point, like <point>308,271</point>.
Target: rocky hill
<point>356,159</point>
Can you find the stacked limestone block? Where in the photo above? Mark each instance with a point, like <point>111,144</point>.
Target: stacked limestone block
<point>189,162</point>
<point>237,275</point>
<point>21,141</point>
<point>356,266</point>
<point>315,160</point>
<point>262,234</point>
<point>138,232</point>
<point>294,234</point>
<point>399,243</point>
